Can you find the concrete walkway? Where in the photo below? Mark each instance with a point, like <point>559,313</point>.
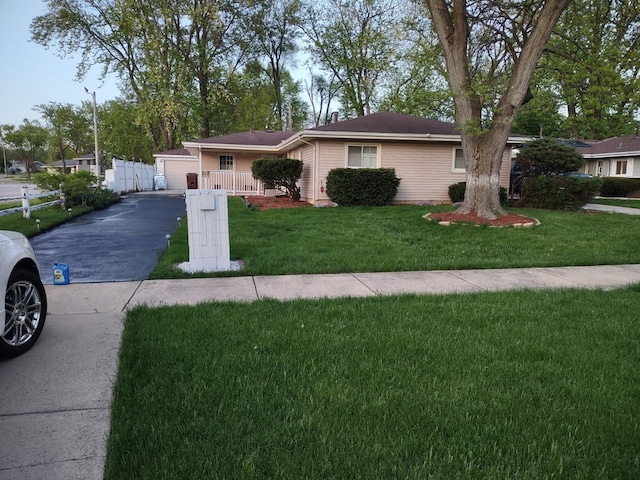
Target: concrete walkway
<point>55,400</point>
<point>612,209</point>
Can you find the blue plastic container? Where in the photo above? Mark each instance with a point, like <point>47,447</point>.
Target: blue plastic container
<point>60,274</point>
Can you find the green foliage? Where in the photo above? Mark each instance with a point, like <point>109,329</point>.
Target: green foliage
<point>279,172</point>
<point>545,156</point>
<point>77,188</point>
<point>456,193</point>
<point>558,193</point>
<point>101,198</point>
<point>48,181</point>
<point>362,186</point>
<point>619,187</point>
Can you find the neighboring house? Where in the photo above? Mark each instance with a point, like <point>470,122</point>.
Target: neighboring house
<point>613,157</point>
<point>84,162</point>
<point>175,165</point>
<point>426,155</point>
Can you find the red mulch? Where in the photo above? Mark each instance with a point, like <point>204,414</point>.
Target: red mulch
<point>281,201</point>
<point>471,218</point>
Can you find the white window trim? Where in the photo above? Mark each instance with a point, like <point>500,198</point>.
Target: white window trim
<point>614,167</point>
<point>378,153</point>
<point>233,161</point>
<point>453,161</point>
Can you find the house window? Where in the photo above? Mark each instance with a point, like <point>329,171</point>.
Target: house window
<point>458,160</point>
<point>362,156</point>
<point>226,162</point>
<point>621,167</point>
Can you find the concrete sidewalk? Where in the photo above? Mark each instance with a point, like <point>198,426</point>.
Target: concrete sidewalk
<point>55,400</point>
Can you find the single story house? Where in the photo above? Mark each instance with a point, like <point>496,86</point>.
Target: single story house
<point>175,165</point>
<point>613,157</point>
<point>73,165</point>
<point>426,155</point>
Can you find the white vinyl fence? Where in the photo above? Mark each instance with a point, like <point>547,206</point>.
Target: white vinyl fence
<point>126,176</point>
<point>26,207</point>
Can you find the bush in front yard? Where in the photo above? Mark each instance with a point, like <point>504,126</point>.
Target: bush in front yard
<point>101,198</point>
<point>558,193</point>
<point>279,172</point>
<point>362,186</point>
<point>456,193</point>
<point>619,187</point>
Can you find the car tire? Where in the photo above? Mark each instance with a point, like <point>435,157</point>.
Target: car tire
<point>26,311</point>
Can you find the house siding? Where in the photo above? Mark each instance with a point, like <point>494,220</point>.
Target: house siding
<point>425,170</point>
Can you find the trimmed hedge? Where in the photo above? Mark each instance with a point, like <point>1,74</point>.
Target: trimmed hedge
<point>362,186</point>
<point>456,193</point>
<point>279,172</point>
<point>619,187</point>
<point>558,193</point>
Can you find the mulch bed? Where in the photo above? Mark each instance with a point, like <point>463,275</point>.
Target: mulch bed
<point>280,201</point>
<point>508,220</point>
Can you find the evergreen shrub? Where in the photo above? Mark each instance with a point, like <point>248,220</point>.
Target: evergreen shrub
<point>362,186</point>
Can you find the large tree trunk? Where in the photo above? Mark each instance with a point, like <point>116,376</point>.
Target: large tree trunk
<point>483,149</point>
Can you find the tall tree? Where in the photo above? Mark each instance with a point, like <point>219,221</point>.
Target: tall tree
<point>484,43</point>
<point>28,141</point>
<point>273,25</point>
<point>594,60</point>
<point>169,53</point>
<point>322,93</point>
<point>356,42</point>
<point>69,127</point>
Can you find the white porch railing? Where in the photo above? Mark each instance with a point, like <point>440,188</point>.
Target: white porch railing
<point>235,183</point>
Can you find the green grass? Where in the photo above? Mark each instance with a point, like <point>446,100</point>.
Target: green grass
<point>497,385</point>
<point>358,239</point>
<point>49,217</point>
<point>618,202</point>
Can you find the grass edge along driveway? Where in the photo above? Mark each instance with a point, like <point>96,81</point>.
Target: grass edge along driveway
<point>495,385</point>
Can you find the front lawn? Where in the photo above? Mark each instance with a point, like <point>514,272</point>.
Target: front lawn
<point>360,239</point>
<point>525,385</point>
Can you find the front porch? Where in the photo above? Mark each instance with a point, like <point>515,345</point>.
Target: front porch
<point>234,182</point>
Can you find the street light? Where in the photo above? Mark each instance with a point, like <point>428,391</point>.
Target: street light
<point>95,133</point>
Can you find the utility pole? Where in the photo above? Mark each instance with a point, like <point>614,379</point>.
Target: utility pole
<point>95,133</point>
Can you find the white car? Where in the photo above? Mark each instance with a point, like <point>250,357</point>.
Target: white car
<point>25,301</point>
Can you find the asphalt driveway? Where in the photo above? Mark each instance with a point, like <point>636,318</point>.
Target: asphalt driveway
<point>120,243</point>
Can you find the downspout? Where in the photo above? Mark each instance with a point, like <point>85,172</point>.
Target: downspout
<point>314,181</point>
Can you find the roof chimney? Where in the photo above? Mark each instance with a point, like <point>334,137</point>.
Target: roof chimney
<point>334,117</point>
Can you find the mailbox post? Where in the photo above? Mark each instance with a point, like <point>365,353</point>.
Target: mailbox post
<point>208,225</point>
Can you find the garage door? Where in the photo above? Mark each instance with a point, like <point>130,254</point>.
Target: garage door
<point>176,171</point>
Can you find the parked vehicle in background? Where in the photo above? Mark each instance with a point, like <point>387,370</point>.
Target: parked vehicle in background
<point>25,302</point>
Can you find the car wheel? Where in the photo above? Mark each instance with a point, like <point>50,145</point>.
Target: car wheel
<point>25,303</point>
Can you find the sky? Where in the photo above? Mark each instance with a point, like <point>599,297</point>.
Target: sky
<point>31,74</point>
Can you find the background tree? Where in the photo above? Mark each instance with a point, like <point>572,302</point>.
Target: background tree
<point>28,142</point>
<point>484,46</point>
<point>321,93</point>
<point>69,128</point>
<point>273,24</point>
<point>594,59</point>
<point>356,42</point>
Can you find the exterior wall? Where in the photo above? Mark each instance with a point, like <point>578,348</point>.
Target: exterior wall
<point>241,160</point>
<point>425,169</point>
<point>606,167</point>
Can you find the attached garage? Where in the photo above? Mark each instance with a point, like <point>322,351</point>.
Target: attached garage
<point>174,165</point>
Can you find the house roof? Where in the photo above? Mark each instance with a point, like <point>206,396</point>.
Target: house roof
<point>612,147</point>
<point>378,126</point>
<point>390,122</point>
<point>252,137</point>
<point>176,152</point>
